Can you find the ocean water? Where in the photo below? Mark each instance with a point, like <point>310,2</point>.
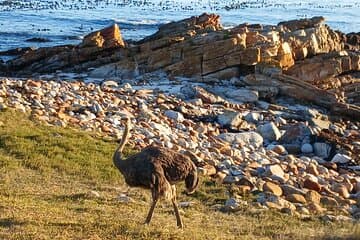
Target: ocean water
<point>67,21</point>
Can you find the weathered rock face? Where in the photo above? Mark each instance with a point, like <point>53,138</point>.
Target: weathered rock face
<point>196,46</point>
<point>187,27</point>
<point>303,59</point>
<point>106,38</point>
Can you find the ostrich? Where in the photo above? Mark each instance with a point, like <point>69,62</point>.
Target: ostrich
<point>157,169</point>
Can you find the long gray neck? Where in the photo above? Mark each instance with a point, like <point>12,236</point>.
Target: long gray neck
<point>117,158</point>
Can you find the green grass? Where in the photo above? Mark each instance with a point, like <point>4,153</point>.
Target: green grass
<point>47,175</point>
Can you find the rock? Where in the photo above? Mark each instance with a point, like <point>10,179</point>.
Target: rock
<point>269,131</point>
<point>316,208</point>
<point>320,123</point>
<point>275,170</point>
<point>272,188</point>
<point>233,204</point>
<point>109,83</point>
<point>289,189</point>
<point>296,198</point>
<point>163,129</point>
<point>329,201</point>
<point>304,23</point>
<point>322,149</point>
<point>124,198</point>
<point>243,139</point>
<point>341,158</point>
<point>341,190</point>
<point>243,95</point>
<point>279,149</point>
<point>312,185</point>
<point>185,204</point>
<point>230,179</point>
<point>252,117</point>
<point>207,170</point>
<point>244,189</point>
<point>38,39</point>
<point>178,117</point>
<point>230,119</point>
<point>306,148</point>
<point>205,96</point>
<point>313,196</point>
<point>108,38</point>
<point>295,134</point>
<point>312,169</point>
<point>273,205</point>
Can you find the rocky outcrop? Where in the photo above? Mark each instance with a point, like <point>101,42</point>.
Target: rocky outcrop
<point>97,49</point>
<point>304,59</point>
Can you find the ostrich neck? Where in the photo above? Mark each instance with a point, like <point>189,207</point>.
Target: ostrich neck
<point>118,160</point>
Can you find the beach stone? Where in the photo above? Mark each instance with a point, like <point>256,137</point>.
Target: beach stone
<point>313,196</point>
<point>296,198</point>
<point>279,149</point>
<point>272,188</point>
<point>312,185</point>
<point>204,95</point>
<point>243,139</point>
<point>163,129</point>
<point>174,115</point>
<point>295,134</point>
<point>322,149</point>
<point>289,189</point>
<point>275,170</point>
<point>273,205</point>
<point>252,117</point>
<point>312,169</point>
<point>230,118</point>
<point>341,158</point>
<point>243,95</point>
<point>307,148</point>
<point>269,131</point>
<point>341,190</point>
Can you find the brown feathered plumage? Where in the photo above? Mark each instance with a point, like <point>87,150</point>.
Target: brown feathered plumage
<point>157,169</point>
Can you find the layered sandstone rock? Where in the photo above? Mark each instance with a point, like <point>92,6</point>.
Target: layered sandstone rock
<point>306,56</point>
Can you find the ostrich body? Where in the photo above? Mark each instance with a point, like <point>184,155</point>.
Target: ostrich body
<point>157,169</point>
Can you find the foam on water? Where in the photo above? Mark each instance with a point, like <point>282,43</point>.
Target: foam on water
<point>65,22</point>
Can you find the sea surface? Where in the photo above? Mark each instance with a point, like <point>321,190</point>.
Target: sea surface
<point>68,21</point>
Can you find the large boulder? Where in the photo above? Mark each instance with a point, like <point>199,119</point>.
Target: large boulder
<point>106,38</point>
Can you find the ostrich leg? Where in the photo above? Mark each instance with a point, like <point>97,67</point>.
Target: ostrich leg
<point>176,209</point>
<point>151,210</point>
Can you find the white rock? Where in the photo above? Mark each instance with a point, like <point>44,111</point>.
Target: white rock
<point>269,131</point>
<point>244,138</point>
<point>307,148</point>
<point>341,158</point>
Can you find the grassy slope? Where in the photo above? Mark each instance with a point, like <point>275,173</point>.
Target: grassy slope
<point>47,174</point>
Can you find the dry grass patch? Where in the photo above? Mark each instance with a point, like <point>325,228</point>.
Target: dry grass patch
<point>60,183</point>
